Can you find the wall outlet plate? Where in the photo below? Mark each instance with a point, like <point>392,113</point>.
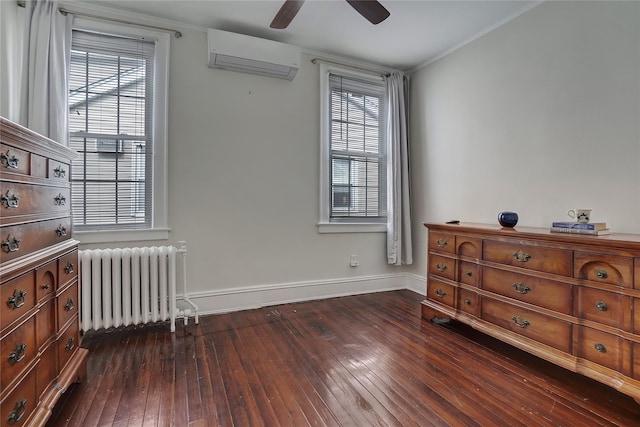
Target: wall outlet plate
<point>353,261</point>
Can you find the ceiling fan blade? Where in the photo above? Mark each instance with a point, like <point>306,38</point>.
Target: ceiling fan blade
<point>372,10</point>
<point>286,14</point>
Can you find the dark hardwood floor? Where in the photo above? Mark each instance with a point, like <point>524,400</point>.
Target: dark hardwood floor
<point>367,360</point>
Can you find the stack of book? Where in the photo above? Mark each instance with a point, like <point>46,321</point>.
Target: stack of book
<point>592,228</point>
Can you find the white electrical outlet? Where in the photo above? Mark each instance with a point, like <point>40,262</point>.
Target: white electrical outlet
<point>353,261</point>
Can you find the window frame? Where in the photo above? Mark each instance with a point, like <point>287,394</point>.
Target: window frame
<point>159,229</point>
<point>325,224</point>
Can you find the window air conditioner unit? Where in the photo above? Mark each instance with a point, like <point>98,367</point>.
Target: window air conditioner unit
<point>238,52</point>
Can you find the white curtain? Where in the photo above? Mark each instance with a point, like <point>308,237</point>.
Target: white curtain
<point>49,53</point>
<point>399,250</point>
<point>13,41</point>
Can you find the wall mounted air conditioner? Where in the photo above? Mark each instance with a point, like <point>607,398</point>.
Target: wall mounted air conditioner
<point>238,52</point>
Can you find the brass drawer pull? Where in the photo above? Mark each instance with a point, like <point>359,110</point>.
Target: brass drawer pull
<point>12,244</point>
<point>467,301</point>
<point>68,269</point>
<point>8,160</point>
<point>45,286</point>
<point>469,273</point>
<point>601,306</point>
<point>601,274</point>
<point>60,200</point>
<point>69,345</point>
<point>441,243</point>
<point>520,322</point>
<point>17,354</point>
<point>69,305</point>
<point>19,409</point>
<point>600,347</point>
<point>9,201</point>
<point>521,256</point>
<point>440,293</point>
<point>441,267</point>
<point>521,288</point>
<point>16,300</point>
<point>58,172</point>
<point>61,231</point>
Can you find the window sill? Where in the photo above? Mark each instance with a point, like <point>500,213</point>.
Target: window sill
<point>112,236</point>
<point>333,227</point>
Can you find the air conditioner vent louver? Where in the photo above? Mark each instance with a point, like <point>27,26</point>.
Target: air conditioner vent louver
<point>237,52</point>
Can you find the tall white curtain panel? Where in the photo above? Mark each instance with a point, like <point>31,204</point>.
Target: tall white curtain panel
<point>49,52</point>
<point>399,249</point>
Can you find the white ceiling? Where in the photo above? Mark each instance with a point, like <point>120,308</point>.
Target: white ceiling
<point>417,31</point>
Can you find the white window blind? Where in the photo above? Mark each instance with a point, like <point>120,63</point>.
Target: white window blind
<point>111,90</point>
<point>357,158</point>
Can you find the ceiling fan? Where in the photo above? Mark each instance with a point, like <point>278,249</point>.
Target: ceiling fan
<point>372,10</point>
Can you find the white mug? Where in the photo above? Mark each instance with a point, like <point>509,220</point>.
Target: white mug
<point>580,215</point>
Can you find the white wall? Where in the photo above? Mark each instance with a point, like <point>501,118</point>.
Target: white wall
<point>243,184</point>
<point>539,116</point>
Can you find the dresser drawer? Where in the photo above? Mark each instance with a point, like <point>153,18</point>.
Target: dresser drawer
<point>20,240</point>
<point>442,242</point>
<point>442,266</point>
<point>68,268</point>
<point>545,293</point>
<point>533,257</point>
<point>604,307</point>
<point>602,268</point>
<point>636,268</point>
<point>25,199</point>
<point>46,279</point>
<point>18,297</point>
<point>18,406</point>
<point>442,293</point>
<point>469,246</point>
<point>58,171</point>
<point>17,349</point>
<point>468,273</point>
<point>68,304</point>
<point>14,160</point>
<point>544,329</point>
<point>68,342</point>
<point>468,302</point>
<point>604,349</point>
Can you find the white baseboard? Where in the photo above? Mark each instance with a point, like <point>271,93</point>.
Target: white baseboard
<point>416,283</point>
<point>235,299</point>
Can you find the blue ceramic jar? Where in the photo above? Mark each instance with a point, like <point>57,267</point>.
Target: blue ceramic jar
<point>508,219</point>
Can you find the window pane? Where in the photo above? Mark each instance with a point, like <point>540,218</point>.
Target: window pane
<point>340,171</point>
<point>110,98</point>
<point>357,149</point>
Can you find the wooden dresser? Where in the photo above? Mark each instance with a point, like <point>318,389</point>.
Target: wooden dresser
<point>573,300</point>
<point>39,340</point>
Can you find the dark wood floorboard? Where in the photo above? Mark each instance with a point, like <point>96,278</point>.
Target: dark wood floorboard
<point>366,360</point>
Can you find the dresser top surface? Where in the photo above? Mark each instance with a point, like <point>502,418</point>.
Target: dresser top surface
<point>627,240</point>
<point>13,133</point>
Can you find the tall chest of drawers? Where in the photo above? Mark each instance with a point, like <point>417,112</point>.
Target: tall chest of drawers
<point>573,300</point>
<point>39,338</point>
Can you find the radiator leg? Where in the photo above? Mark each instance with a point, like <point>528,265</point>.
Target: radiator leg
<point>185,296</point>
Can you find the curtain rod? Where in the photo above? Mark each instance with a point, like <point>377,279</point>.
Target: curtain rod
<point>176,33</point>
<point>316,60</point>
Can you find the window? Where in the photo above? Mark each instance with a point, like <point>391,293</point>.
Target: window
<point>117,92</point>
<point>353,159</point>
